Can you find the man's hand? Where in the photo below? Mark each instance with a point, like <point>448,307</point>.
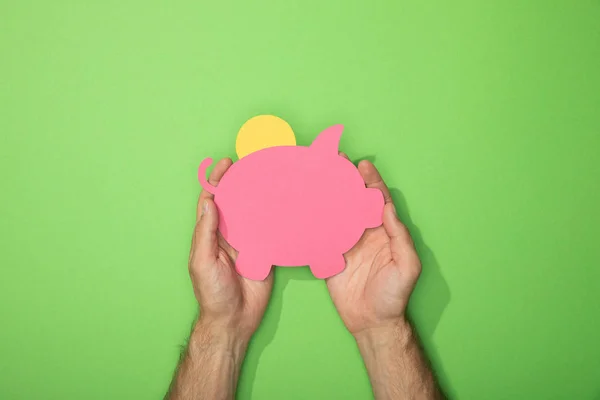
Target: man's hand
<point>381,269</point>
<point>371,296</point>
<point>231,308</point>
<point>225,298</point>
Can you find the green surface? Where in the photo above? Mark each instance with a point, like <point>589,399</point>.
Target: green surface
<point>484,116</point>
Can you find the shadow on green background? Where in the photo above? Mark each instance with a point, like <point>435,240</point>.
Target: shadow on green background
<point>432,294</point>
<point>268,329</point>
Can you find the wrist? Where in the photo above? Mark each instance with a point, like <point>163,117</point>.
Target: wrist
<point>381,338</point>
<point>233,325</point>
<point>218,337</point>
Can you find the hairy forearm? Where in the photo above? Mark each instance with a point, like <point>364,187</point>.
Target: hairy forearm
<point>396,365</point>
<point>210,366</point>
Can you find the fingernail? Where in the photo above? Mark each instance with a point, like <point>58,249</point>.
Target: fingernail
<point>204,207</point>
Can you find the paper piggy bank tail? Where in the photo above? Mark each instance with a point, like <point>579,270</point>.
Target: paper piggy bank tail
<point>202,176</point>
<point>328,141</point>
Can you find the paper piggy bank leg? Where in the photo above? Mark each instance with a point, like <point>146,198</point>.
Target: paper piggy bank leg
<point>328,266</point>
<point>251,268</point>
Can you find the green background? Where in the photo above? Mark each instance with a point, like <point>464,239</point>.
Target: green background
<point>483,116</point>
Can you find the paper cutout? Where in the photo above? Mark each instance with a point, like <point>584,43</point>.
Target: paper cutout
<point>261,132</point>
<point>293,206</point>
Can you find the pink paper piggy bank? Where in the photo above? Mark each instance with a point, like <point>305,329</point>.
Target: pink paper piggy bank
<point>293,206</point>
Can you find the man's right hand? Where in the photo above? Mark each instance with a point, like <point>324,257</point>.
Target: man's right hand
<point>381,270</point>
<point>371,296</point>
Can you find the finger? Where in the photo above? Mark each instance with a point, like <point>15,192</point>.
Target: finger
<point>215,176</point>
<point>400,241</point>
<point>341,153</point>
<point>373,179</point>
<point>205,234</point>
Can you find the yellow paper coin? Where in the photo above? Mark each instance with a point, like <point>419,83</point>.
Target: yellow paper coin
<point>261,132</point>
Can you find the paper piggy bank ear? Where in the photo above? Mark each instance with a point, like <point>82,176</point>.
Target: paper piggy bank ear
<point>328,141</point>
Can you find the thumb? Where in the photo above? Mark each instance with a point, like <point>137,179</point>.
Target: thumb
<point>205,235</point>
<point>400,240</point>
